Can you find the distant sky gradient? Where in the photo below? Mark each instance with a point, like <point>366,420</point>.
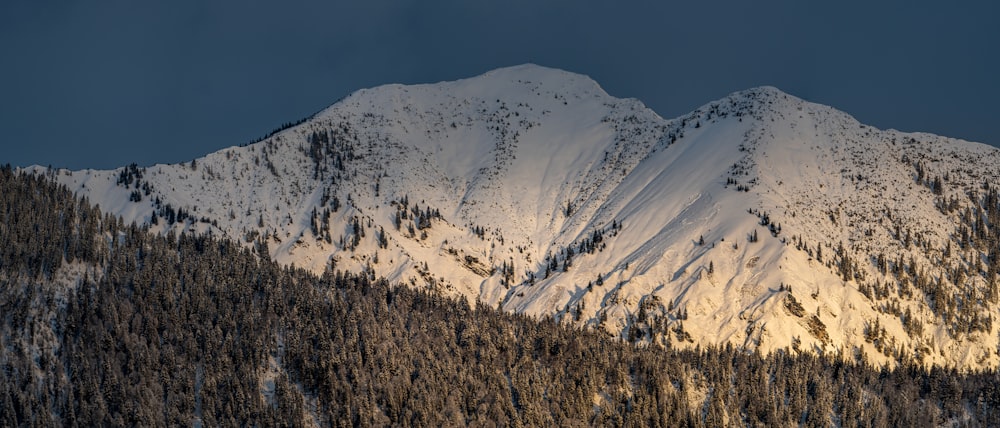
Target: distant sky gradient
<point>104,84</point>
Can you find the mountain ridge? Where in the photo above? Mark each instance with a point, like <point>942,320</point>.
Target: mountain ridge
<point>757,219</point>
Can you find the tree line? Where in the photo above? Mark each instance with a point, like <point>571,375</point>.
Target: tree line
<point>103,323</point>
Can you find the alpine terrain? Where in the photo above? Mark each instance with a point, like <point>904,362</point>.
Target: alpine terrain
<point>760,220</point>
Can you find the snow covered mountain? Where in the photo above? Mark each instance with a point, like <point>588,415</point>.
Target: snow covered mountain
<point>760,219</point>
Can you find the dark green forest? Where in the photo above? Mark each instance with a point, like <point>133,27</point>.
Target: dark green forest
<point>105,324</point>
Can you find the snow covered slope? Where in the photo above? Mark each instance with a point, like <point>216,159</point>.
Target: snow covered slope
<point>760,220</point>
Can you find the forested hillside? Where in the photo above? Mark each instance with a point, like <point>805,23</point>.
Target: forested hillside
<point>103,323</point>
<point>760,219</point>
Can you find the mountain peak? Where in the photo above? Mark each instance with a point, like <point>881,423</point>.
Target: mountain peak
<point>765,96</point>
<point>532,84</point>
<point>537,73</point>
<point>764,90</point>
<point>768,104</point>
<point>534,78</point>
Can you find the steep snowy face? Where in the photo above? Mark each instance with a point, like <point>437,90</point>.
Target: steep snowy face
<point>504,149</point>
<point>906,223</point>
<point>760,219</point>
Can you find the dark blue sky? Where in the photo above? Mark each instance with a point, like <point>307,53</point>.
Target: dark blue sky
<point>103,84</point>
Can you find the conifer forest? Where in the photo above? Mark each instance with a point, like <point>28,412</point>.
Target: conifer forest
<point>105,324</point>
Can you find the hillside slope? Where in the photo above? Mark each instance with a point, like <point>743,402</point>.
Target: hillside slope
<point>760,219</point>
<point>194,330</point>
